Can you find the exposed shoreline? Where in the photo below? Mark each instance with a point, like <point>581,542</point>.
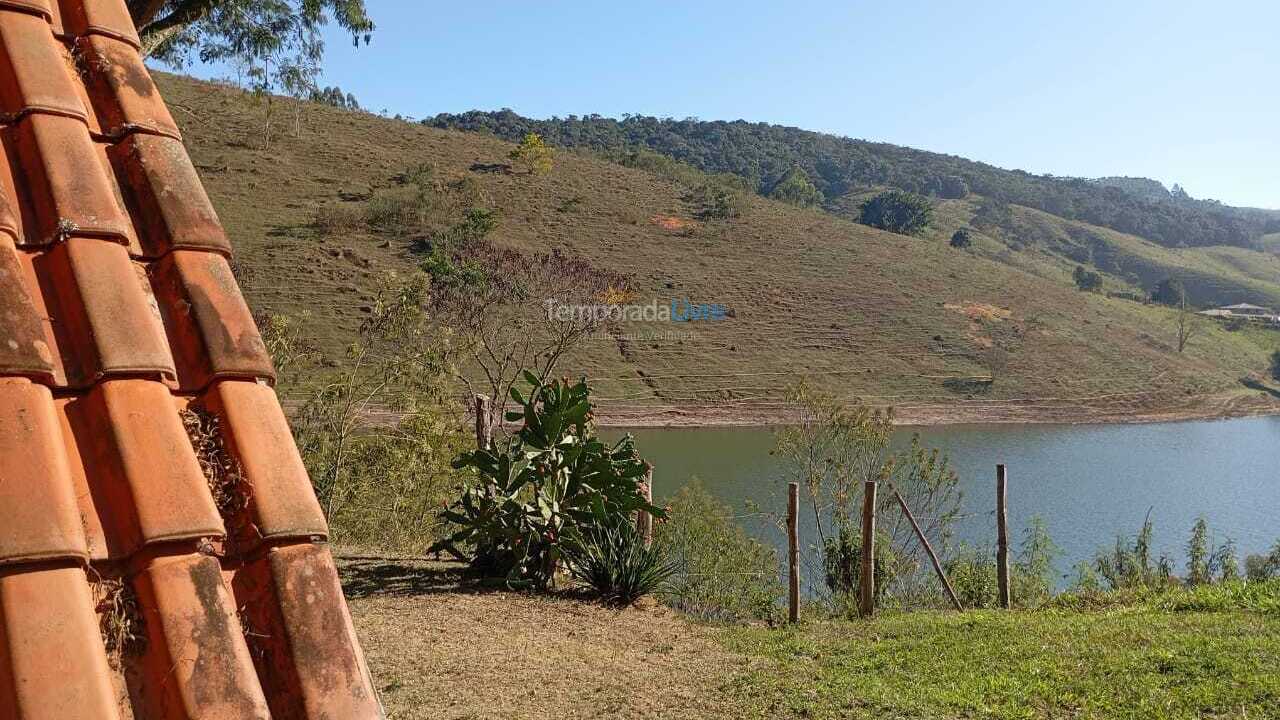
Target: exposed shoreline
<point>1214,407</point>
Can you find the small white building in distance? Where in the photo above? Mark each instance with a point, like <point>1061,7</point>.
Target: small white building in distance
<point>1243,311</point>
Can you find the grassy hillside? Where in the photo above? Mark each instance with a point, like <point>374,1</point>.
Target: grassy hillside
<point>1039,241</point>
<point>907,321</point>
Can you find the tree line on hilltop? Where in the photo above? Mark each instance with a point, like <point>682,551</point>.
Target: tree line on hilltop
<point>768,155</point>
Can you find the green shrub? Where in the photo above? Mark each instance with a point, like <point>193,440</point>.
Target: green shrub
<point>718,202</point>
<point>1275,365</point>
<point>1033,576</point>
<point>336,219</point>
<point>532,154</point>
<point>1130,564</point>
<point>613,559</point>
<point>721,574</point>
<point>832,451</point>
<point>475,225</point>
<point>380,487</point>
<point>1225,562</point>
<point>1226,596</point>
<point>395,209</point>
<point>842,566</point>
<point>1169,291</point>
<point>897,211</point>
<point>446,270</point>
<point>554,480</point>
<point>973,576</point>
<point>1031,580</point>
<point>1086,280</point>
<point>396,482</point>
<point>1198,559</point>
<point>794,188</point>
<point>1259,568</point>
<point>962,239</point>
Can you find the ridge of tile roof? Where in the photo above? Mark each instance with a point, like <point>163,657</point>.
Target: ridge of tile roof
<point>162,552</point>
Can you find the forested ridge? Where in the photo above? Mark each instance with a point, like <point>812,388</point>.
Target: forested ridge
<point>764,154</point>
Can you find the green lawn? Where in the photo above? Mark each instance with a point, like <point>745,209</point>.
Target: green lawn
<point>1165,658</point>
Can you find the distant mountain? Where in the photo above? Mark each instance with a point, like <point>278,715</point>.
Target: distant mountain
<point>840,166</point>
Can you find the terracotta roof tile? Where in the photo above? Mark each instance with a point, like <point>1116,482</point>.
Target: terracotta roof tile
<point>24,345</point>
<point>171,206</point>
<point>196,663</point>
<point>141,474</point>
<point>211,328</point>
<point>68,178</point>
<point>97,17</point>
<point>317,669</point>
<point>161,547</point>
<point>101,313</point>
<point>39,516</point>
<point>257,436</point>
<point>53,665</point>
<point>37,74</point>
<point>44,8</point>
<point>120,90</point>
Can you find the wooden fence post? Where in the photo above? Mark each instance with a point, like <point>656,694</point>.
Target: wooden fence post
<point>933,557</point>
<point>1002,534</point>
<point>867,578</point>
<point>644,521</point>
<point>484,426</point>
<point>793,551</point>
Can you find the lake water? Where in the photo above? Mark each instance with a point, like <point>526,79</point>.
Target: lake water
<point>1088,482</point>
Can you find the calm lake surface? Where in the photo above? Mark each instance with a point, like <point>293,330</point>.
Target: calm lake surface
<point>1088,482</point>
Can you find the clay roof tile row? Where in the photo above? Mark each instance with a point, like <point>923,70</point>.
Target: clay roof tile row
<point>161,547</point>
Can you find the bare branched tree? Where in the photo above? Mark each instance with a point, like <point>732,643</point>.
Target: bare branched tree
<point>501,308</point>
<point>397,363</point>
<point>1187,320</point>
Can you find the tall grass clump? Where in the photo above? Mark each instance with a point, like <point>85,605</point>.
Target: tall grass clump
<point>614,560</point>
<point>1031,575</point>
<point>721,574</point>
<point>1130,570</point>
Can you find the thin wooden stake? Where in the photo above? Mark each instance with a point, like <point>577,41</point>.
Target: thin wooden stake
<point>484,426</point>
<point>1002,534</point>
<point>644,521</point>
<point>933,557</point>
<point>867,580</point>
<point>793,554</point>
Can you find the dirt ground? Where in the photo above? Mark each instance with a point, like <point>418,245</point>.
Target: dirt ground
<point>439,648</point>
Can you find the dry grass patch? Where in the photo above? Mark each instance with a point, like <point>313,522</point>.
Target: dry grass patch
<point>441,649</point>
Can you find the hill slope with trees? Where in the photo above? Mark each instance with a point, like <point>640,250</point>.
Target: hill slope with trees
<point>764,154</point>
<point>322,212</point>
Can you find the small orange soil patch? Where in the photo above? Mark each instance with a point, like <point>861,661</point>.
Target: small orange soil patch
<point>439,649</point>
<point>672,223</point>
<point>980,311</point>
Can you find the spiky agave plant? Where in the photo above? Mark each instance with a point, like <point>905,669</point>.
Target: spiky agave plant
<point>613,559</point>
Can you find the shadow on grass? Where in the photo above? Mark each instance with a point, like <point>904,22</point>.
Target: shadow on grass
<point>365,576</point>
<point>490,168</point>
<point>368,576</point>
<point>1256,385</point>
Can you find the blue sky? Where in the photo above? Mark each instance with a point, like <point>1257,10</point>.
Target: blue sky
<point>1185,92</point>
